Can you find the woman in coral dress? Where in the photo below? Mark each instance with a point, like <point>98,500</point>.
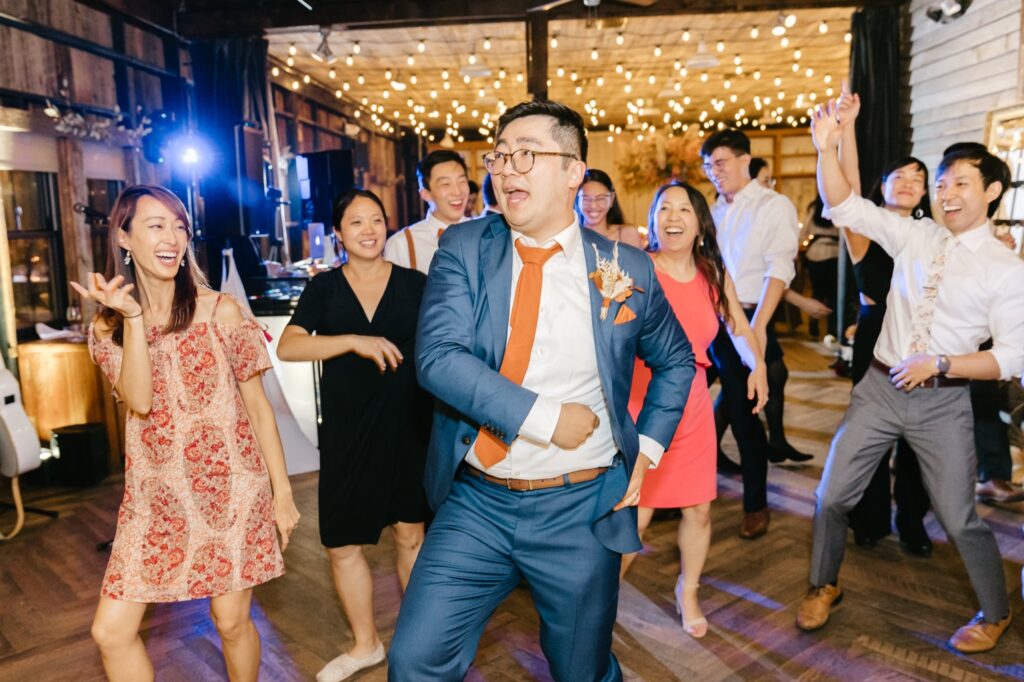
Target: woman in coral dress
<point>205,478</point>
<point>689,268</point>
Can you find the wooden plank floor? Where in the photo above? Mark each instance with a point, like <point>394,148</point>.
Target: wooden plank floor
<point>898,612</point>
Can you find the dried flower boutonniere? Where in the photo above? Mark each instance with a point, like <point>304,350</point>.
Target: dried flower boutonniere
<point>614,284</point>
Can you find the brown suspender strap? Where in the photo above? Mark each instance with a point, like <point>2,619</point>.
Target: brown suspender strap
<point>412,248</point>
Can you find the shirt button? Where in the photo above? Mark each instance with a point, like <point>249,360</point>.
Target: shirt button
<point>466,440</point>
<point>516,474</point>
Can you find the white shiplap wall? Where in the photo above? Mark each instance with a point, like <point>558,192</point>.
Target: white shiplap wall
<point>960,71</point>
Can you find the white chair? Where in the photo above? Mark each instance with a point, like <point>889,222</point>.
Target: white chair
<point>19,445</point>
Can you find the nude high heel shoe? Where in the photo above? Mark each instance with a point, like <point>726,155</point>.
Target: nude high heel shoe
<point>695,627</point>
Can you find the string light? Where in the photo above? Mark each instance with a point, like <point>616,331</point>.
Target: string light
<point>554,42</point>
<point>686,35</point>
<point>487,43</point>
<point>421,47</point>
<point>355,48</point>
<point>754,32</point>
<point>823,27</point>
<point>472,58</point>
<point>657,50</point>
<point>848,37</point>
<point>332,74</point>
<point>410,60</point>
<point>791,21</point>
<point>292,50</point>
<point>289,61</point>
<point>720,46</point>
<point>619,39</point>
<point>275,72</point>
<point>593,54</point>
<point>306,79</point>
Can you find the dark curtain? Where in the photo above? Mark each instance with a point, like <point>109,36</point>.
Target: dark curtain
<point>875,74</point>
<point>231,88</point>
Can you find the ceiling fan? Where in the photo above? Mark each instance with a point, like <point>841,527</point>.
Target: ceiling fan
<point>589,4</point>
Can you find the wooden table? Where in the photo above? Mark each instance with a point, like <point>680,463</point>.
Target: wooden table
<point>60,386</point>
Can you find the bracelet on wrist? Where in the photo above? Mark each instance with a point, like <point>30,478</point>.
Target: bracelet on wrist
<point>132,317</point>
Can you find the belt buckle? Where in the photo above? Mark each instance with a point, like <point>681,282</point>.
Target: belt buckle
<point>508,483</point>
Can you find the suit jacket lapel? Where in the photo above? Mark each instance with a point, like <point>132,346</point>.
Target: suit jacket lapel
<point>602,328</point>
<point>496,269</point>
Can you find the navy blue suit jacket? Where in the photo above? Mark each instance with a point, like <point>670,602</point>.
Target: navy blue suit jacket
<point>460,342</point>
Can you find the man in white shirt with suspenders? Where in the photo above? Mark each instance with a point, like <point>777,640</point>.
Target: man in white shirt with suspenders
<point>445,187</point>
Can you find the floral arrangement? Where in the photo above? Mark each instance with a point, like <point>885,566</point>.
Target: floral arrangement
<point>660,158</point>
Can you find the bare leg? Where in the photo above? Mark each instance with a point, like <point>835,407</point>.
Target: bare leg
<point>408,537</point>
<point>643,519</point>
<point>115,629</point>
<point>694,540</point>
<point>354,583</point>
<point>238,635</point>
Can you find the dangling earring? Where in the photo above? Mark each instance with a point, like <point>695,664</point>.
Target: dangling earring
<point>127,257</point>
<point>918,213</point>
<point>182,264</point>
<point>701,243</point>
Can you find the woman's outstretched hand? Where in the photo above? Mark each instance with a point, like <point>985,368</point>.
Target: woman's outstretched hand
<point>113,294</point>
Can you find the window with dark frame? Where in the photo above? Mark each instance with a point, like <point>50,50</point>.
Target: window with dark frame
<point>102,194</point>
<point>37,261</point>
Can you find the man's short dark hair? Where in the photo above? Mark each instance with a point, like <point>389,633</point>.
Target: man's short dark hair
<point>568,129</point>
<point>732,139</point>
<point>991,167</point>
<point>757,164</point>
<point>488,191</point>
<point>426,165</point>
<point>473,187</point>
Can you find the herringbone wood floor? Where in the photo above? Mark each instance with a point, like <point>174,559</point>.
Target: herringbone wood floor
<point>898,611</point>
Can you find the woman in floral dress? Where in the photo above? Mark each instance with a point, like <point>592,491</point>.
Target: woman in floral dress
<point>205,478</point>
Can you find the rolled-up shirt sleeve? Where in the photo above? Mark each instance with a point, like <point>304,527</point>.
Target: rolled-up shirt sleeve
<point>782,240</point>
<point>1007,324</point>
<point>862,216</point>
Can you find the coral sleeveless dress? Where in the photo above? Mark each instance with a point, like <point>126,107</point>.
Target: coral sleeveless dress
<point>197,518</point>
<point>686,474</point>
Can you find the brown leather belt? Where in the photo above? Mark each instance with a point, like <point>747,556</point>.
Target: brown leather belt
<point>934,382</point>
<point>525,484</point>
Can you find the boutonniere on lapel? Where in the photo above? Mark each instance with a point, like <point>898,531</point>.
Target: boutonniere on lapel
<point>614,284</point>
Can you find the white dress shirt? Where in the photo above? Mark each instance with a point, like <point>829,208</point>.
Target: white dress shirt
<point>981,294</point>
<point>562,369</point>
<point>758,235</point>
<point>424,239</point>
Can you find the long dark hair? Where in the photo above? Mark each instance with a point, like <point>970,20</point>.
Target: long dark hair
<point>615,216</point>
<point>187,280</point>
<point>924,207</point>
<point>706,254</point>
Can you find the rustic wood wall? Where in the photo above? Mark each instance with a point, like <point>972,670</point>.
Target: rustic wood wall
<point>960,71</point>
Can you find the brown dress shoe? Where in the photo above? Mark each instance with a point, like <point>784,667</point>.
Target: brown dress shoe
<point>998,490</point>
<point>816,606</point>
<point>978,636</point>
<point>755,524</point>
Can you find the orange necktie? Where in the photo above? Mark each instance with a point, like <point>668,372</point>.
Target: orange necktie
<point>525,309</point>
<point>440,231</point>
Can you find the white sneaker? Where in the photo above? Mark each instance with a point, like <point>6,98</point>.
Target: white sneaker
<point>345,666</point>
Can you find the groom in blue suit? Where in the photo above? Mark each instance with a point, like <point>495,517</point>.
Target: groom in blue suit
<point>528,333</point>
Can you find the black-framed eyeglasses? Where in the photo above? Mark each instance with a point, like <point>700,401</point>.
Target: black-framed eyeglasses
<point>522,160</point>
<point>717,164</point>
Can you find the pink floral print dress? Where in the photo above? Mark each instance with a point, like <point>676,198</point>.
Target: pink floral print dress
<point>197,518</point>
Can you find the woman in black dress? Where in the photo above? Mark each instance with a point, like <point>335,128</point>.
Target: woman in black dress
<point>902,188</point>
<point>375,418</point>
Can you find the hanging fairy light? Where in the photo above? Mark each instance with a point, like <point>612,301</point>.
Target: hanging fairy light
<point>421,47</point>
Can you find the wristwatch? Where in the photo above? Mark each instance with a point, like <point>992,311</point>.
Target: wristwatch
<point>942,364</point>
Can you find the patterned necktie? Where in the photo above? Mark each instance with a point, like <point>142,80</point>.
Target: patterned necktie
<point>525,309</point>
<point>921,327</point>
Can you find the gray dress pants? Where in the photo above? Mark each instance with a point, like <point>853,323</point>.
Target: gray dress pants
<point>939,425</point>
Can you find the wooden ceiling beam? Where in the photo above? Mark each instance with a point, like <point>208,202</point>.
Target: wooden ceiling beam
<point>219,23</point>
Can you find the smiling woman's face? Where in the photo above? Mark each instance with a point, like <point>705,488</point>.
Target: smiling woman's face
<point>675,221</point>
